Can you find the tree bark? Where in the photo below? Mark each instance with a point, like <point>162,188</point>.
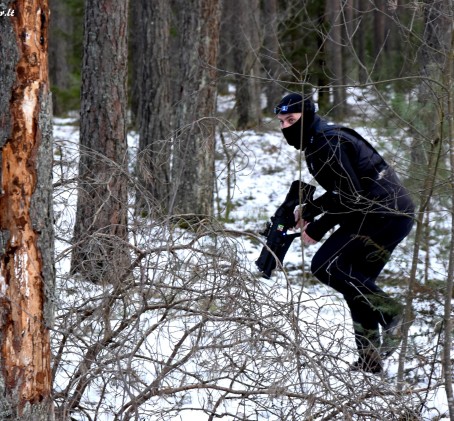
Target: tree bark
<point>349,65</point>
<point>448,320</point>
<point>59,52</point>
<point>365,22</point>
<point>26,221</point>
<point>335,57</point>
<point>271,56</point>
<point>194,144</point>
<point>379,33</point>
<point>100,233</point>
<point>245,21</point>
<point>154,102</point>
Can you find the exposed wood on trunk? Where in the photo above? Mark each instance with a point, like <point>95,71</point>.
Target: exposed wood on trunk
<point>25,344</point>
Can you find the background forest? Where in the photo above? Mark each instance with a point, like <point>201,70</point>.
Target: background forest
<point>166,162</point>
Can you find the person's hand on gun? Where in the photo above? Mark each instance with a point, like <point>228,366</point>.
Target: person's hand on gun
<point>306,239</point>
<point>302,224</point>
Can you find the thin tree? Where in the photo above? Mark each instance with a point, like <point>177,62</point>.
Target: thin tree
<point>100,231</point>
<point>26,221</point>
<point>448,322</point>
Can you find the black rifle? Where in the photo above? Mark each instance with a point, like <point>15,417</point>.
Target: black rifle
<point>277,239</point>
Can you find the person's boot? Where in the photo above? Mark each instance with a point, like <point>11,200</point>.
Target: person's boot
<point>369,361</point>
<point>392,335</point>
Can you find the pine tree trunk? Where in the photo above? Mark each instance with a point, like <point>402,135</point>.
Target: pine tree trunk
<point>59,51</point>
<point>152,47</point>
<point>26,221</point>
<point>271,60</point>
<point>245,21</point>
<point>100,233</point>
<point>193,151</point>
<point>349,63</point>
<point>136,46</point>
<point>379,33</point>
<point>362,9</point>
<point>335,57</point>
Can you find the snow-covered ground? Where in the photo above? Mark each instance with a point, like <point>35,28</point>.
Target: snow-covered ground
<point>260,173</point>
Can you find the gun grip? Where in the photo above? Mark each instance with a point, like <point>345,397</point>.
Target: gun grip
<point>266,262</point>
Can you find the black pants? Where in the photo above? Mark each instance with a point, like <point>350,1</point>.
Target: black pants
<point>350,261</point>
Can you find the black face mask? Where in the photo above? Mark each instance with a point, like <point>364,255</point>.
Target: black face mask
<point>294,135</point>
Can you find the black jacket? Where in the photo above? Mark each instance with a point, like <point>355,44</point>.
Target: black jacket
<point>356,178</point>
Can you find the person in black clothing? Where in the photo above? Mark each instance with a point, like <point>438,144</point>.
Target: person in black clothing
<point>373,212</point>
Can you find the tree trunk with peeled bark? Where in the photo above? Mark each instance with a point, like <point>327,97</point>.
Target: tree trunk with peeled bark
<point>26,221</point>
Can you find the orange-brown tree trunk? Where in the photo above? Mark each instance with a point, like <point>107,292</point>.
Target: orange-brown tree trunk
<point>26,269</point>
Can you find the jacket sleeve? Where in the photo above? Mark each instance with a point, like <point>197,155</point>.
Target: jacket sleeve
<point>317,229</point>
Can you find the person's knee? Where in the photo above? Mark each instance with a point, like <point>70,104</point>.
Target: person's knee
<point>327,271</point>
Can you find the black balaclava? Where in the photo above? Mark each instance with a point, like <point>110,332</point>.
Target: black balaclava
<point>294,103</point>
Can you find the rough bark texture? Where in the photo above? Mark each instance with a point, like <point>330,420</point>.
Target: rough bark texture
<point>335,66</point>
<point>271,54</point>
<point>59,51</point>
<point>245,49</point>
<point>100,233</point>
<point>136,30</point>
<point>27,276</point>
<point>154,110</point>
<point>193,159</point>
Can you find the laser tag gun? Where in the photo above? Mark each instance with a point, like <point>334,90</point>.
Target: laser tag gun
<point>278,240</point>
